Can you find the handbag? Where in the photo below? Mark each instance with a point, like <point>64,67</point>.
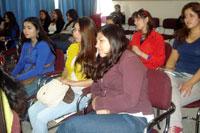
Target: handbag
<point>52,93</point>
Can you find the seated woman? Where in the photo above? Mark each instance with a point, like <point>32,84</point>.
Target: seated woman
<point>57,22</point>
<point>13,98</point>
<point>1,25</point>
<point>79,56</point>
<point>146,42</point>
<point>64,38</point>
<point>184,64</point>
<point>119,92</point>
<point>10,31</point>
<point>72,17</point>
<point>37,55</point>
<point>45,19</point>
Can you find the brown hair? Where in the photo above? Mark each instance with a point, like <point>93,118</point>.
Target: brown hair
<point>143,14</point>
<point>118,43</point>
<point>183,33</point>
<point>88,32</point>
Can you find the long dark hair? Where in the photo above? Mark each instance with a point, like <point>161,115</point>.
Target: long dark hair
<point>42,35</point>
<point>144,14</point>
<point>11,25</point>
<point>73,14</point>
<point>86,56</point>
<point>118,44</point>
<point>59,14</point>
<point>15,93</point>
<point>12,19</point>
<point>183,33</point>
<point>47,19</point>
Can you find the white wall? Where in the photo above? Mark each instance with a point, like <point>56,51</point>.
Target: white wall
<point>158,8</point>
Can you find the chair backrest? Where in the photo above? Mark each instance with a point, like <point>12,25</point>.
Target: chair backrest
<point>156,22</point>
<point>169,23</point>
<point>59,62</point>
<point>131,21</point>
<point>159,89</point>
<point>97,19</point>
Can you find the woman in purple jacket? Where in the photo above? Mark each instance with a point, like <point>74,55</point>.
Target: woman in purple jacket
<point>119,91</point>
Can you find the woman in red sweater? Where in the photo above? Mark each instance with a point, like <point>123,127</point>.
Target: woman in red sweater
<point>146,42</point>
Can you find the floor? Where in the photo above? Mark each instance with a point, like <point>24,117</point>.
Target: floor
<point>189,125</point>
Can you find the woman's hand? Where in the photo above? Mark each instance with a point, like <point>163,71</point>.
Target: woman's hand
<point>103,112</point>
<point>64,80</point>
<point>136,50</point>
<point>94,103</point>
<point>139,52</point>
<point>186,88</point>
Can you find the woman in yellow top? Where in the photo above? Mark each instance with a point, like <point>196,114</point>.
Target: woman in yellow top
<point>79,56</point>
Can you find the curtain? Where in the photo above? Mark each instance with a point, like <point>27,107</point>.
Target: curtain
<point>25,8</point>
<point>83,7</point>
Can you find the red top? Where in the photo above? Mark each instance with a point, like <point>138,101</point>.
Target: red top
<point>154,46</point>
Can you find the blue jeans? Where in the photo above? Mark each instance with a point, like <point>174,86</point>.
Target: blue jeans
<point>112,123</point>
<point>31,89</point>
<point>40,114</point>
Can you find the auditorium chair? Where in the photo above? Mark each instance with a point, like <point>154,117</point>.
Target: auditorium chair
<point>195,104</point>
<point>159,91</point>
<point>169,23</point>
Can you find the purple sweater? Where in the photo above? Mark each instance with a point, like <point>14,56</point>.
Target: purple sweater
<point>124,87</point>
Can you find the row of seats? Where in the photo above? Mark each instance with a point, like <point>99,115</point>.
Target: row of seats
<point>169,24</point>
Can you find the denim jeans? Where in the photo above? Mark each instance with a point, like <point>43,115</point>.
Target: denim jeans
<point>31,89</point>
<point>111,123</point>
<point>40,114</point>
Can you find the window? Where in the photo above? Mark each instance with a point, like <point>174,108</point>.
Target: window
<point>105,7</point>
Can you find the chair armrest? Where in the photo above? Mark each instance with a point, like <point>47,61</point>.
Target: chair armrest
<point>165,115</point>
<point>85,91</point>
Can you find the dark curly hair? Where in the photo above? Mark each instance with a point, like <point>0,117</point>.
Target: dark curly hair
<point>15,93</point>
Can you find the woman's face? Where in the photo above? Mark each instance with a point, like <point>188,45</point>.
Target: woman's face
<point>42,15</point>
<point>68,17</point>
<point>54,15</point>
<point>6,19</point>
<point>76,33</point>
<point>191,19</point>
<point>29,30</point>
<point>102,45</point>
<point>141,23</point>
<point>109,21</point>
